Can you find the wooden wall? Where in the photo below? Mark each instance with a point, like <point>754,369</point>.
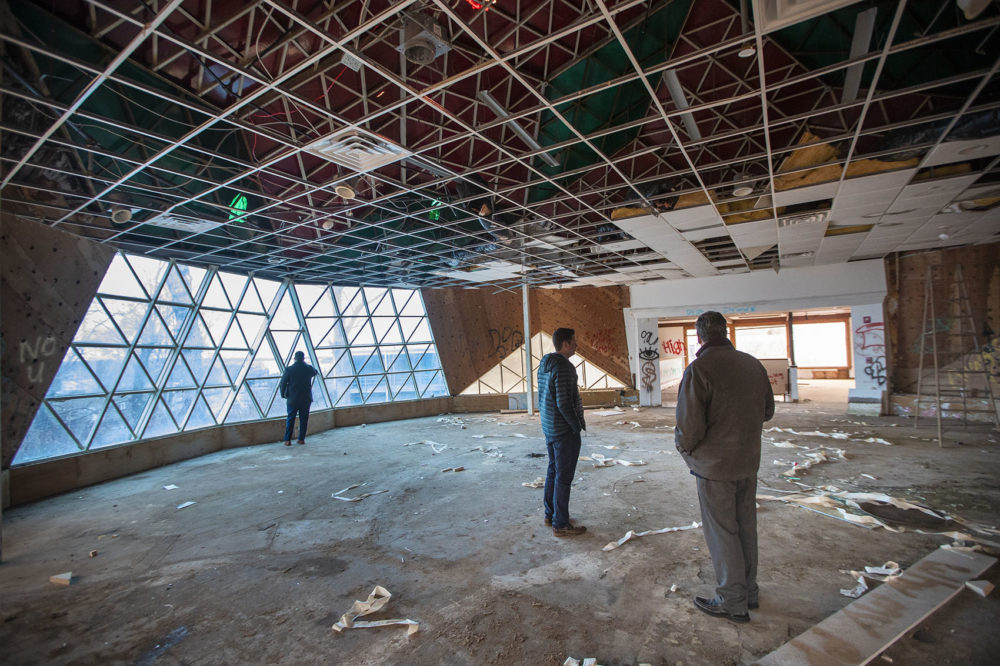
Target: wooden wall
<point>48,280</point>
<point>476,328</point>
<point>906,275</point>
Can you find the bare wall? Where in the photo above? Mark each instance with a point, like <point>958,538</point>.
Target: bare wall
<point>47,281</point>
<point>476,328</point>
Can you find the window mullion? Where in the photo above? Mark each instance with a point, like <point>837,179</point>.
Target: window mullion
<point>307,340</point>
<point>175,354</point>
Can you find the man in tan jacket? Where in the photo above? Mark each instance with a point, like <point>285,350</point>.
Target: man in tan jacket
<point>723,400</point>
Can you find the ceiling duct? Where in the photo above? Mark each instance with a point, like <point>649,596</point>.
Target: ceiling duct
<point>358,150</point>
<point>422,39</point>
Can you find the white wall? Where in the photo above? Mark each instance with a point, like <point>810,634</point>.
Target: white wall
<point>671,356</point>
<point>868,337</point>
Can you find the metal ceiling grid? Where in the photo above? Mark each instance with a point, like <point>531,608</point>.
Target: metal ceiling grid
<point>196,124</point>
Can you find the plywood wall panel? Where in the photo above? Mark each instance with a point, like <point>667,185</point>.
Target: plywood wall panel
<point>476,328</point>
<point>906,276</point>
<point>48,280</point>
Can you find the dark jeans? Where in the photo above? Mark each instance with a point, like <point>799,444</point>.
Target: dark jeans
<point>729,519</point>
<point>303,412</point>
<point>564,451</point>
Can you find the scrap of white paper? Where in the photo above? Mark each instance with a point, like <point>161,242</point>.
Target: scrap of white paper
<point>492,451</point>
<point>378,598</point>
<point>890,568</point>
<point>185,505</point>
<point>609,412</point>
<point>635,535</point>
<point>539,482</point>
<point>351,487</point>
<point>359,497</point>
<point>858,589</point>
<point>170,487</point>
<point>878,440</point>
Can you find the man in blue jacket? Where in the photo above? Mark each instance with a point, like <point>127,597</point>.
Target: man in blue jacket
<point>296,389</point>
<point>561,410</point>
<point>723,400</point>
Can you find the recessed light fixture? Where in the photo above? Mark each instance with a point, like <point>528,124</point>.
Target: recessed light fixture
<point>747,51</point>
<point>328,224</point>
<point>972,150</point>
<point>742,191</point>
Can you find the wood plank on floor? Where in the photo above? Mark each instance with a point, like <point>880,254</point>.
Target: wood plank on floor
<point>859,632</point>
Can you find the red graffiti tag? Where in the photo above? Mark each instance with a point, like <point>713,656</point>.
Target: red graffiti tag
<point>673,347</point>
<point>602,341</point>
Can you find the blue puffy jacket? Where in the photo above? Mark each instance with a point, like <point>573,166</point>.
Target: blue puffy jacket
<point>559,397</point>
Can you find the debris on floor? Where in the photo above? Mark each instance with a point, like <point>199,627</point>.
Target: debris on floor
<point>491,451</point>
<point>589,661</point>
<point>812,457</point>
<point>539,482</point>
<point>634,424</point>
<point>92,553</point>
<point>635,535</point>
<point>609,412</point>
<point>453,469</point>
<point>857,590</point>
<point>602,461</point>
<point>359,497</point>
<point>185,505</point>
<point>62,579</point>
<point>378,598</point>
<point>980,587</point>
<point>170,487</point>
<point>811,433</point>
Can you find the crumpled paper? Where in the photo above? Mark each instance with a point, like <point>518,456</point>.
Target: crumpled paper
<point>378,598</point>
<point>601,460</point>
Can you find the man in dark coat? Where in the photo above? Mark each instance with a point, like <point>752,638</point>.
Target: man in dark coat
<point>561,410</point>
<point>723,400</point>
<point>296,389</point>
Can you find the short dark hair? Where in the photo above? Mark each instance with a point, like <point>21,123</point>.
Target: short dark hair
<point>560,336</point>
<point>300,356</point>
<point>711,325</point>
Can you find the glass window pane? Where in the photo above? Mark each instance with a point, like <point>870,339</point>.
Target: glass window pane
<point>374,388</point>
<point>344,366</point>
<point>384,326</point>
<point>199,336</point>
<point>216,399</point>
<point>243,408</point>
<point>438,387</point>
<point>429,361</point>
<point>179,402</point>
<point>324,306</point>
<point>251,324</point>
<point>286,342</point>
<point>150,271</point>
<point>373,366</point>
<point>379,302</point>
<point>45,438</point>
<point>201,417</point>
<point>349,301</point>
<point>414,307</point>
<point>421,333</point>
<point>264,389</point>
<point>401,297</point>
<point>155,333</point>
<point>160,423</point>
<point>284,317</point>
<point>391,356</point>
<point>233,284</point>
<point>153,359</point>
<point>264,364</point>
<point>105,362</point>
<point>193,276</point>
<point>267,290</point>
<point>180,376</point>
<point>762,341</point>
<point>234,361</point>
<point>79,414</point>
<point>73,378</point>
<point>318,327</point>
<point>119,280</point>
<point>97,327</point>
<point>132,405</point>
<point>217,321</point>
<point>820,345</point>
<point>111,431</point>
<point>173,317</point>
<point>219,376</point>
<point>350,395</point>
<point>216,297</point>
<point>127,314</point>
<point>251,302</point>
<point>174,290</point>
<point>199,361</point>
<point>308,295</point>
<point>234,338</point>
<point>358,330</point>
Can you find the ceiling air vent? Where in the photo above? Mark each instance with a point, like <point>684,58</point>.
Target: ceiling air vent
<point>773,15</point>
<point>358,150</point>
<point>189,224</point>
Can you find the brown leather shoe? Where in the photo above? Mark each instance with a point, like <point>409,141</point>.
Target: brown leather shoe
<point>288,443</point>
<point>301,441</point>
<point>569,530</point>
<point>548,522</point>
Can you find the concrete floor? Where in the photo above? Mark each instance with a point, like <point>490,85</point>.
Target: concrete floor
<point>266,561</point>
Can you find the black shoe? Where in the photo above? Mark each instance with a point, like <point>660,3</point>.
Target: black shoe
<point>569,530</point>
<point>711,606</point>
<point>753,605</point>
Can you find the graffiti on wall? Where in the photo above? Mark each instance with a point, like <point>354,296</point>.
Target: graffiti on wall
<point>649,354</point>
<point>875,369</point>
<point>673,347</point>
<point>602,341</point>
<point>869,337</point>
<point>33,356</point>
<point>503,342</point>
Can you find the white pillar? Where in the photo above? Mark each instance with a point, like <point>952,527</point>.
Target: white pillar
<point>529,381</point>
<point>870,369</point>
<point>648,362</point>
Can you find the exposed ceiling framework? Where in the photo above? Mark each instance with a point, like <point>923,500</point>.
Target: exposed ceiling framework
<point>431,143</point>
